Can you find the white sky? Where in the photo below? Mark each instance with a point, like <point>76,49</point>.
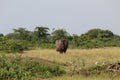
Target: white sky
<point>76,16</point>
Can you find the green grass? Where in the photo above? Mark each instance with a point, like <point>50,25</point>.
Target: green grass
<point>18,68</point>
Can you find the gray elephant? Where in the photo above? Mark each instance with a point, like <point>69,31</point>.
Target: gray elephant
<point>61,45</point>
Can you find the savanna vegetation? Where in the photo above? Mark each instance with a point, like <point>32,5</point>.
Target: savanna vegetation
<point>89,55</point>
<point>22,39</point>
<point>16,68</point>
<point>47,64</point>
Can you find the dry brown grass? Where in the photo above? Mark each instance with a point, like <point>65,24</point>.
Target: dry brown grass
<point>89,56</point>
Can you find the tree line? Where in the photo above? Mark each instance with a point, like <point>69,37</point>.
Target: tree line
<point>22,39</point>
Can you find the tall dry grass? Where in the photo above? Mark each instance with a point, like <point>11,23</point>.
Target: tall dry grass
<point>89,56</point>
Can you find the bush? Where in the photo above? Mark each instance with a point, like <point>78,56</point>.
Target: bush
<point>16,68</point>
<point>97,38</point>
<point>14,47</point>
<point>10,45</point>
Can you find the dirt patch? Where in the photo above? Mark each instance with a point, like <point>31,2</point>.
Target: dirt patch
<point>40,60</point>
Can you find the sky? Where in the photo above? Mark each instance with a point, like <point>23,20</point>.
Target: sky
<point>75,16</point>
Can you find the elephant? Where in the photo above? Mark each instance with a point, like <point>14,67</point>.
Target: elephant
<point>61,45</point>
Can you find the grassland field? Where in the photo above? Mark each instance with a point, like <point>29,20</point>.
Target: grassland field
<point>86,57</point>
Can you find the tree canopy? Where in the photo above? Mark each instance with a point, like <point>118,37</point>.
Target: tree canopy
<point>59,34</point>
<point>22,39</point>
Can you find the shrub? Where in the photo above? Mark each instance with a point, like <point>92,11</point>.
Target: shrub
<point>97,38</point>
<point>14,47</point>
<point>16,68</point>
<point>10,45</point>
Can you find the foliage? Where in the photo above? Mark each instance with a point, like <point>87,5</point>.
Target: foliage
<point>75,40</point>
<point>15,68</point>
<point>96,38</point>
<point>59,34</point>
<point>20,34</point>
<point>10,45</point>
<point>12,36</point>
<point>40,37</point>
<point>15,47</point>
<point>1,35</point>
<point>98,33</point>
<point>47,45</point>
<point>41,34</point>
<point>3,43</point>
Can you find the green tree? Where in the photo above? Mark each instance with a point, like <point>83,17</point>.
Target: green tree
<point>1,35</point>
<point>99,33</point>
<point>95,38</point>
<point>12,36</point>
<point>41,34</point>
<point>59,34</point>
<point>75,40</point>
<point>93,33</point>
<point>22,33</point>
<point>105,34</point>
